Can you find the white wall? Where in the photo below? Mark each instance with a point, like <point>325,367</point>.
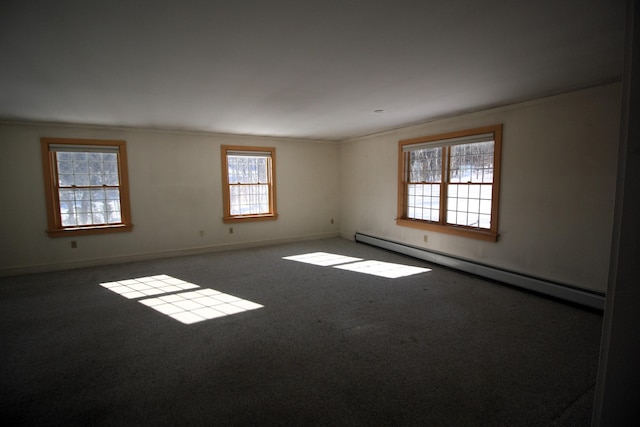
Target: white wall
<point>557,192</point>
<point>175,192</point>
<point>557,187</point>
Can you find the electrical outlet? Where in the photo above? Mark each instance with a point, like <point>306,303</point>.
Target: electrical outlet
<point>74,244</point>
<point>426,239</point>
<point>201,233</point>
<point>331,220</point>
<point>230,230</point>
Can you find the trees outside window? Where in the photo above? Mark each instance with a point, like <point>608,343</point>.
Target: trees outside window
<point>248,177</point>
<point>86,186</point>
<point>450,182</point>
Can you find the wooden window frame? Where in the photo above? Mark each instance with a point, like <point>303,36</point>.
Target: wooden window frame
<point>441,225</point>
<point>49,167</point>
<point>226,197</point>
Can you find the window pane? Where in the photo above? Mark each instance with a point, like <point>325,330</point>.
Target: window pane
<point>66,195</point>
<point>97,194</point>
<point>96,167</point>
<point>65,157</point>
<point>82,180</point>
<point>68,220</point>
<point>486,191</point>
<point>65,167</point>
<point>249,187</point>
<point>485,206</point>
<point>247,169</point>
<point>98,218</point>
<point>66,180</point>
<point>471,162</point>
<point>424,201</point>
<point>110,167</point>
<point>111,180</point>
<point>262,170</point>
<point>113,206</point>
<point>249,199</point>
<point>88,206</point>
<point>84,218</point>
<point>79,157</point>
<point>114,217</point>
<point>80,166</point>
<point>425,165</point>
<point>452,217</point>
<point>465,205</point>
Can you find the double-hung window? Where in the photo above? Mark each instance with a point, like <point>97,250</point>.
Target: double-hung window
<point>450,182</point>
<point>248,177</point>
<point>86,186</point>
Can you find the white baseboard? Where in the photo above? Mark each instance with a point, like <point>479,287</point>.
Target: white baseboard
<point>546,287</point>
<point>43,268</point>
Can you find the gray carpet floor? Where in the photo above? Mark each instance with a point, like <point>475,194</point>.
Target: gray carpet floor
<point>328,347</point>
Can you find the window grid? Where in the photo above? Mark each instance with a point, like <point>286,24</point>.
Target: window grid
<point>470,179</point>
<point>248,183</point>
<point>249,199</point>
<point>88,188</point>
<point>470,168</point>
<point>469,205</point>
<point>424,202</point>
<point>450,182</point>
<point>425,175</point>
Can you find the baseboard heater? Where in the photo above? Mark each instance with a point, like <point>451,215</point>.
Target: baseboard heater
<point>556,290</point>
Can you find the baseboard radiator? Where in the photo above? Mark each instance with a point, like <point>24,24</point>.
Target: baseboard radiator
<point>556,290</point>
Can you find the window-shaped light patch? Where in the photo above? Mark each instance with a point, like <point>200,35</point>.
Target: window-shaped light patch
<point>196,306</point>
<point>186,307</point>
<point>322,258</point>
<point>376,268</point>
<point>383,269</point>
<point>147,286</point>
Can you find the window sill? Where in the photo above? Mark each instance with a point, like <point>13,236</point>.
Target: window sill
<point>449,229</point>
<point>249,218</point>
<point>83,231</point>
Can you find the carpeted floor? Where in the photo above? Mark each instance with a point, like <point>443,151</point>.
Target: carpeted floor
<point>328,347</point>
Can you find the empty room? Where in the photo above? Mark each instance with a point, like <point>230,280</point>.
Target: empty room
<point>319,213</point>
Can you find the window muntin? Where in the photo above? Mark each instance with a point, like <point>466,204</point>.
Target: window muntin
<point>86,186</point>
<point>248,183</point>
<point>425,177</point>
<point>450,182</point>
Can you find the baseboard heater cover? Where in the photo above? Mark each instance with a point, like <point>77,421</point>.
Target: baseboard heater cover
<point>556,290</point>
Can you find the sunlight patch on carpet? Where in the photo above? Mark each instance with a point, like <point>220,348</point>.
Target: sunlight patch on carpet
<point>377,268</point>
<point>383,269</point>
<point>185,307</point>
<point>147,286</point>
<point>322,258</point>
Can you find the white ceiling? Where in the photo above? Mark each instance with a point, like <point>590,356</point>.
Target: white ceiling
<point>296,68</point>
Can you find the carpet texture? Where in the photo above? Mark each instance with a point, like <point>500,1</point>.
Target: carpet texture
<point>328,347</point>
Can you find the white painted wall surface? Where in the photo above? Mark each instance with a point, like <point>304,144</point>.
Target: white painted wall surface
<point>175,192</point>
<point>557,187</point>
<point>557,192</point>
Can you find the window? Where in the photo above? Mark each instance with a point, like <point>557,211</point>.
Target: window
<point>248,179</point>
<point>86,186</point>
<point>450,183</point>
